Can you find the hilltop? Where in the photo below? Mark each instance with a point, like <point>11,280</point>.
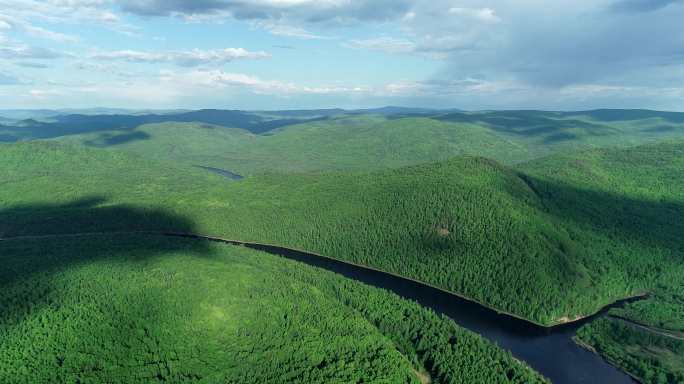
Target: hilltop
<point>334,139</point>
<point>519,240</point>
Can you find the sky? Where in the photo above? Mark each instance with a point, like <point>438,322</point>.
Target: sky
<point>296,54</point>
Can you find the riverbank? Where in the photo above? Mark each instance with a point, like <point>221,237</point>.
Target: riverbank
<point>593,350</point>
<point>549,327</point>
<point>550,351</point>
<point>648,328</point>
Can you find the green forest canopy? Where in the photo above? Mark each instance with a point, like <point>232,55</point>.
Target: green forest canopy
<point>549,241</point>
<point>137,308</point>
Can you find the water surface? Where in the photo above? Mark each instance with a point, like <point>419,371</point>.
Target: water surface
<point>550,351</point>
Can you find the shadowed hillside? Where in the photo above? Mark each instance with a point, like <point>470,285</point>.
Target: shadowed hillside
<point>135,308</point>
<point>525,243</point>
<point>86,215</point>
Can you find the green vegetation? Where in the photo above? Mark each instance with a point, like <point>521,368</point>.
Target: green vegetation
<point>554,243</point>
<point>144,308</point>
<point>352,143</point>
<point>529,244</point>
<point>664,311</point>
<point>650,357</point>
<point>549,240</point>
<point>363,142</point>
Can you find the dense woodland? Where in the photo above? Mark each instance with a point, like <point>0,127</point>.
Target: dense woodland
<point>525,243</point>
<point>126,309</point>
<point>665,310</point>
<point>334,140</point>
<point>648,356</point>
<point>550,240</point>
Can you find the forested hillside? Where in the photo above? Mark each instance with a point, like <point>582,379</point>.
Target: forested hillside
<point>335,140</point>
<point>644,214</point>
<point>136,309</point>
<point>521,241</point>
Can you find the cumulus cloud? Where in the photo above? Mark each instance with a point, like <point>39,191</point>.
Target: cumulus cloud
<point>60,12</point>
<point>436,30</point>
<point>182,58</point>
<point>520,53</point>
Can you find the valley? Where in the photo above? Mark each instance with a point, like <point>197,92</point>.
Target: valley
<point>546,241</point>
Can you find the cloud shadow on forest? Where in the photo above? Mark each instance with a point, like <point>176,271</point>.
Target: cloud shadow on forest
<point>649,223</point>
<point>24,254</point>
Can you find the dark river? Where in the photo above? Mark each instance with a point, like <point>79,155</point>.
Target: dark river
<point>550,351</point>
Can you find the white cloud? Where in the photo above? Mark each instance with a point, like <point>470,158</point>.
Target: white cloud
<point>8,22</point>
<point>586,90</point>
<point>384,44</point>
<point>506,52</point>
<point>434,30</point>
<point>183,58</point>
<point>485,15</point>
<point>27,52</point>
<point>44,93</point>
<point>50,35</point>
<point>60,12</point>
<point>465,86</point>
<point>288,31</point>
<point>409,16</point>
<point>430,46</point>
<point>219,79</point>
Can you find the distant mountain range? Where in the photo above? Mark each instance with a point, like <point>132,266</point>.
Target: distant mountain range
<point>48,114</point>
<point>43,124</point>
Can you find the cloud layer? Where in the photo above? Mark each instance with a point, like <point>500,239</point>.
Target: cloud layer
<point>497,54</point>
<point>311,11</point>
<point>182,58</point>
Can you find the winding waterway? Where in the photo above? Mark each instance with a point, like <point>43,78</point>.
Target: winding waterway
<point>550,351</point>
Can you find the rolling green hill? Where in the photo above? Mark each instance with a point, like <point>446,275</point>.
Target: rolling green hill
<point>555,240</point>
<point>371,141</point>
<point>138,309</point>
<point>551,240</point>
<point>351,143</point>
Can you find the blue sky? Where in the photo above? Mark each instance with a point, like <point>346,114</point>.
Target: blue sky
<point>273,54</point>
